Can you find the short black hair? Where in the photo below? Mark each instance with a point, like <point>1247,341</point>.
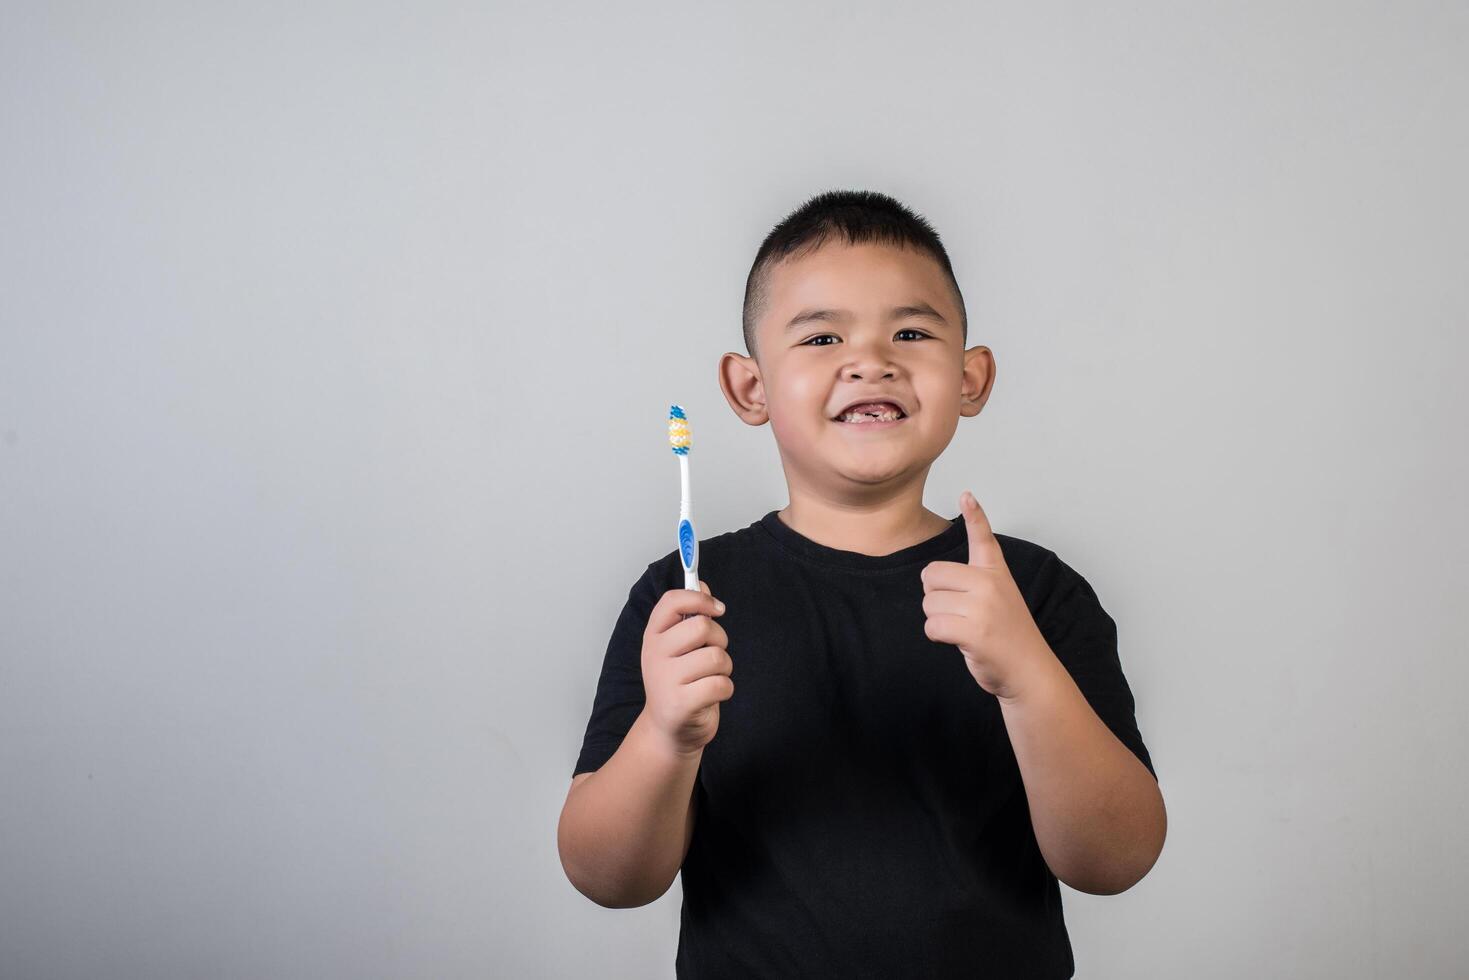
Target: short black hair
<point>861,216</point>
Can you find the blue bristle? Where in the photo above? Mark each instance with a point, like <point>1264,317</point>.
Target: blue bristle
<point>677,419</point>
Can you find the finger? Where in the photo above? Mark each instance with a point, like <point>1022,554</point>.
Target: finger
<point>955,575</point>
<point>984,549</point>
<point>704,588</point>
<point>696,631</point>
<point>947,604</point>
<point>707,690</point>
<point>675,604</point>
<point>944,628</point>
<point>703,661</point>
<point>704,632</point>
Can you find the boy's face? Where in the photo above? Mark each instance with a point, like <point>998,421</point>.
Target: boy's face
<point>809,371</point>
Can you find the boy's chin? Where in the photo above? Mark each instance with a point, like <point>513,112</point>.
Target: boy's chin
<point>872,466</point>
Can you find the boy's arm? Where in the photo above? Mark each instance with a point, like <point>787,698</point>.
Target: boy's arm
<point>1097,811</point>
<point>625,828</point>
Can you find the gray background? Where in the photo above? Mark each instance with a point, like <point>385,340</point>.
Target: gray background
<point>336,345</point>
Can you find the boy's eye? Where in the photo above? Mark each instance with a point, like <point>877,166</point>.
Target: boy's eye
<point>809,343</point>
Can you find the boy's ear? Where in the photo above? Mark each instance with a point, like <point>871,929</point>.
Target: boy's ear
<point>979,380</point>
<point>739,379</point>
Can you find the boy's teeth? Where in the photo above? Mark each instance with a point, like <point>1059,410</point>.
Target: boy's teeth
<point>860,417</point>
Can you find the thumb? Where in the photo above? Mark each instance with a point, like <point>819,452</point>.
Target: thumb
<point>984,550</point>
<point>704,587</point>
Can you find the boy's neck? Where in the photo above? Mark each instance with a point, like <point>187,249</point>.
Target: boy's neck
<point>876,528</point>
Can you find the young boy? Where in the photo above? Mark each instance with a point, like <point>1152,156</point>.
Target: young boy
<point>930,724</point>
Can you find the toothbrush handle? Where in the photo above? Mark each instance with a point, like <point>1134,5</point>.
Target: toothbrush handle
<point>688,539</point>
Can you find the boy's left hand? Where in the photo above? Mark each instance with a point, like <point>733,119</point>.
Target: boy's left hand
<point>979,608</point>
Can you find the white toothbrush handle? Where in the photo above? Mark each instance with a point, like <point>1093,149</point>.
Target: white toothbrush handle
<point>688,539</point>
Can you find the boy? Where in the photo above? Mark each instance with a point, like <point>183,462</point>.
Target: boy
<point>930,726</point>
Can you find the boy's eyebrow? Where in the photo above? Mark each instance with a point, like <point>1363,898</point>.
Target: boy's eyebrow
<point>920,309</point>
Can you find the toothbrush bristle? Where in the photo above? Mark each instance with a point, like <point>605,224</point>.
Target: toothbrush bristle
<point>678,431</point>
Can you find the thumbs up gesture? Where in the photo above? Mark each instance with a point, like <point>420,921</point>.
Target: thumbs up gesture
<point>978,607</point>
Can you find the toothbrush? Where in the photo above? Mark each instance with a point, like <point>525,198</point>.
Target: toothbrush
<point>688,541</point>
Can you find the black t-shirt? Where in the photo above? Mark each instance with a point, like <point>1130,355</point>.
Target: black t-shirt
<point>860,808</point>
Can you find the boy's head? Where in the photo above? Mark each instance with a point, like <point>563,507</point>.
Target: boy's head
<point>852,297</point>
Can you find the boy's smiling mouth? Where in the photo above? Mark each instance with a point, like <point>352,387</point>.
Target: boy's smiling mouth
<point>877,412</point>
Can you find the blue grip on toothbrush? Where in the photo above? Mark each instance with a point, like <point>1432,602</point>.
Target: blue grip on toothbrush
<point>688,545</point>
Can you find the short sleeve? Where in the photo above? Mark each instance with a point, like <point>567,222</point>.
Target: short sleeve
<point>1084,638</point>
<point>619,698</point>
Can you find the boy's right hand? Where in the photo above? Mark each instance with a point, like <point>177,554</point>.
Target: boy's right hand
<point>686,668</point>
